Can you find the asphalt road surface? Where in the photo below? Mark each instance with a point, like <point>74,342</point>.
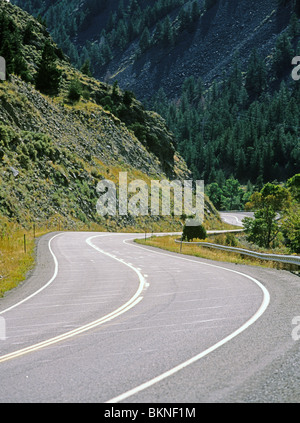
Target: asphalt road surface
<point>103,319</point>
<point>235,217</point>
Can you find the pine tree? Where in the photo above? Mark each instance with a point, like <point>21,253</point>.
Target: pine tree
<point>158,33</point>
<point>85,69</point>
<point>168,34</point>
<point>48,75</point>
<point>256,79</point>
<point>195,14</point>
<point>145,40</point>
<point>11,48</point>
<point>283,55</point>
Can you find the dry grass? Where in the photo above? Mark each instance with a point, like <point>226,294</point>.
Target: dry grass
<point>17,259</point>
<point>15,263</point>
<point>168,243</point>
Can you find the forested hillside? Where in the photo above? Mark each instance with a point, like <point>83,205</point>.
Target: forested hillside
<point>237,127</point>
<point>147,45</point>
<point>98,31</point>
<point>230,101</point>
<point>244,127</point>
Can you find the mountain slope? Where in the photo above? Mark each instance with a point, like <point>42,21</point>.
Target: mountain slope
<point>148,45</point>
<point>54,149</point>
<point>218,71</point>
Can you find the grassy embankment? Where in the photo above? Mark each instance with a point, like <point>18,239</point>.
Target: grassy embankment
<point>168,243</point>
<point>17,248</point>
<point>15,263</point>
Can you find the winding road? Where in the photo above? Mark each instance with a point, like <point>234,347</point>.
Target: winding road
<point>103,319</point>
<point>235,217</point>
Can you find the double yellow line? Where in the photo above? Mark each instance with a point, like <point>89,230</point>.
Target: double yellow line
<point>123,309</point>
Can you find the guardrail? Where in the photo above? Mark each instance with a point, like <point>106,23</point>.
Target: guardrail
<point>224,231</point>
<point>282,258</point>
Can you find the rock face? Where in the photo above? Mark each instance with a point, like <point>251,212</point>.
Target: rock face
<point>203,47</point>
<point>229,28</point>
<point>53,155</point>
<point>86,127</point>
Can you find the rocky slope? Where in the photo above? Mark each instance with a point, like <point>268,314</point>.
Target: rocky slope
<point>203,48</point>
<point>228,29</point>
<point>54,151</point>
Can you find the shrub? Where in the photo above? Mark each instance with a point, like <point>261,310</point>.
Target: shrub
<point>128,98</point>
<point>191,232</point>
<point>75,90</point>
<point>231,240</point>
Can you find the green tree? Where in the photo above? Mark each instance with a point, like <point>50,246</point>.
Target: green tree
<point>48,75</point>
<point>145,40</point>
<point>214,193</point>
<point>195,11</point>
<point>283,55</point>
<point>168,32</point>
<point>158,33</point>
<point>232,195</point>
<point>11,48</point>
<point>291,228</point>
<point>293,185</point>
<point>256,76</point>
<point>291,224</point>
<point>75,90</point>
<point>128,98</point>
<point>28,33</point>
<point>86,68</point>
<point>265,227</point>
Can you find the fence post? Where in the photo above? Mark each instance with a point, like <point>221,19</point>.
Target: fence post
<point>25,243</point>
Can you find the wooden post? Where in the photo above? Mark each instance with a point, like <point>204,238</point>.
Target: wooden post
<point>24,243</point>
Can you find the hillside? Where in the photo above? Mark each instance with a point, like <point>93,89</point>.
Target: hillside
<point>148,45</point>
<point>218,72</point>
<point>56,146</point>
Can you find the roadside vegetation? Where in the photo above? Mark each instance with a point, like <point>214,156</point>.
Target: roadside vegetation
<point>18,246</point>
<point>276,222</point>
<point>14,262</point>
<point>168,243</point>
<point>275,229</point>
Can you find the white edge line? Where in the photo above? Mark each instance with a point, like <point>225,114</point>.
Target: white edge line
<point>43,287</point>
<point>253,319</point>
<point>132,302</point>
